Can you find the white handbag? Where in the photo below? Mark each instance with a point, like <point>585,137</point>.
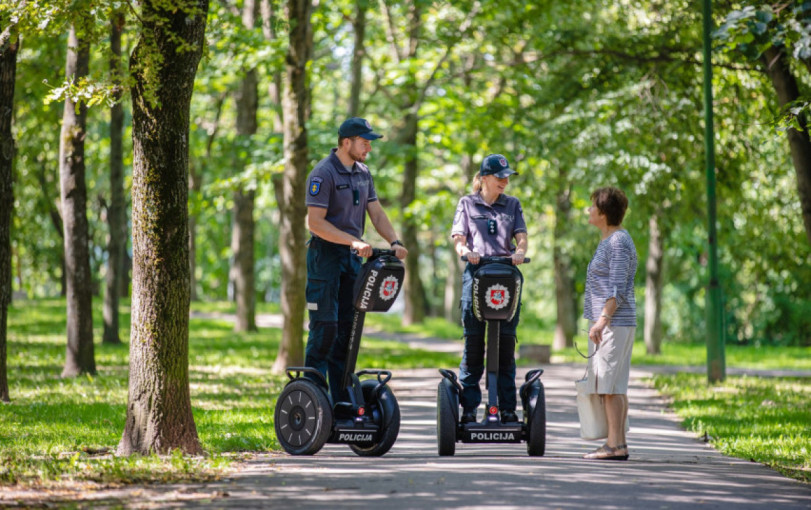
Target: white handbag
<point>590,409</point>
<point>593,423</point>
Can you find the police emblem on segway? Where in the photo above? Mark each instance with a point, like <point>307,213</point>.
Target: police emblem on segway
<point>497,297</point>
<point>388,289</point>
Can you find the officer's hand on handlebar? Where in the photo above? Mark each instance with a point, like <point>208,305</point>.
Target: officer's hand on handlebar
<point>518,258</point>
<point>473,257</point>
<point>400,251</point>
<point>363,249</point>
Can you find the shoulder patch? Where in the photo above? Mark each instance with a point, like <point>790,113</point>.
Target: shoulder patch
<point>315,185</point>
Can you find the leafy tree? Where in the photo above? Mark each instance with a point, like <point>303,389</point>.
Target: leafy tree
<point>290,186</point>
<point>163,67</point>
<point>80,356</point>
<point>8,68</point>
<point>779,39</point>
<point>116,212</point>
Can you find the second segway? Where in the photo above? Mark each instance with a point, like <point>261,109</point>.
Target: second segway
<point>305,416</point>
<point>496,294</point>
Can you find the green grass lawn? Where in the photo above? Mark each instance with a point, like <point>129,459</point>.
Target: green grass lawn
<point>765,420</point>
<point>57,429</point>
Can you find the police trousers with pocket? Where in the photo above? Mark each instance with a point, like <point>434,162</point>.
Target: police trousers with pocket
<point>331,273</point>
<point>472,366</point>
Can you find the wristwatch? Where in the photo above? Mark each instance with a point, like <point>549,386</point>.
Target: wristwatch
<point>396,242</point>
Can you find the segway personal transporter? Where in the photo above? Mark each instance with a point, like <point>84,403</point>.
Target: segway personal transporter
<point>496,293</point>
<point>306,418</point>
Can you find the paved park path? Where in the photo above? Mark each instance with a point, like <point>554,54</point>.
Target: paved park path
<point>668,467</point>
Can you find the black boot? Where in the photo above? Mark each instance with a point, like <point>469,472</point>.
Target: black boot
<point>508,417</point>
<point>469,416</point>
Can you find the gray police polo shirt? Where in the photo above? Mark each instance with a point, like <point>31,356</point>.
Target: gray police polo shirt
<point>489,229</point>
<point>343,193</point>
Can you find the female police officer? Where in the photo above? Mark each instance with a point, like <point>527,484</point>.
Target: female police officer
<point>485,224</point>
<point>340,194</point>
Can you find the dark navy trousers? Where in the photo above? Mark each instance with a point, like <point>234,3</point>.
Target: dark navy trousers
<point>331,273</point>
<point>472,366</point>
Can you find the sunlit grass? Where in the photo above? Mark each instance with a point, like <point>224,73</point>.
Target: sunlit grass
<point>56,428</point>
<point>765,420</point>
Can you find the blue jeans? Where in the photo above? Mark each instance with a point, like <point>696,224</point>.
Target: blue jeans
<point>472,366</point>
<point>331,273</point>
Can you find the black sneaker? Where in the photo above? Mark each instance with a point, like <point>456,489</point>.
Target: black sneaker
<point>469,416</point>
<point>508,416</point>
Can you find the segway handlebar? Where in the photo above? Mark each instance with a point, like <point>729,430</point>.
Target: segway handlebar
<point>496,260</point>
<point>376,252</point>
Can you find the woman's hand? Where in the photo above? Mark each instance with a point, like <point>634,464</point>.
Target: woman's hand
<point>518,258</point>
<point>596,331</point>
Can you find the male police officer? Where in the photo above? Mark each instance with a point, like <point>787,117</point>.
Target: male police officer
<point>340,193</point>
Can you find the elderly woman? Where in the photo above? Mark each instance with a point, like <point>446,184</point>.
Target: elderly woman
<point>611,311</point>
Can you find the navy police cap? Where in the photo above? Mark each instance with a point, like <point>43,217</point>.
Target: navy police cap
<point>496,164</point>
<point>355,126</point>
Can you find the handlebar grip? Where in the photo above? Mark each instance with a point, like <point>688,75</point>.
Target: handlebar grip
<point>503,260</point>
<point>376,252</point>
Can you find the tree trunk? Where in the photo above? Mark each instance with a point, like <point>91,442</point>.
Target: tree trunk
<point>242,244</point>
<point>80,357</point>
<point>159,414</point>
<point>242,235</point>
<point>785,84</point>
<point>8,71</point>
<point>274,90</point>
<point>566,324</point>
<point>453,287</point>
<point>415,293</point>
<point>290,186</point>
<point>653,288</point>
<point>116,213</point>
<point>358,52</point>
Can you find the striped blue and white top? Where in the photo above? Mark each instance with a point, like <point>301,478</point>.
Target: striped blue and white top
<point>611,274</point>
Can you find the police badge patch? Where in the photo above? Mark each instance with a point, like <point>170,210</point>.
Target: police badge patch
<point>315,185</point>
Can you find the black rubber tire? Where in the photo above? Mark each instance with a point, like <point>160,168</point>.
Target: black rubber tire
<point>445,420</point>
<point>536,442</point>
<point>386,413</point>
<point>303,418</point>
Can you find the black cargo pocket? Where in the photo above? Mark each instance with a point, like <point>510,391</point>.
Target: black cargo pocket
<point>316,299</point>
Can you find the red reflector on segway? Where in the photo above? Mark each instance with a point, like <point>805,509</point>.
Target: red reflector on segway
<point>493,410</point>
<point>361,411</point>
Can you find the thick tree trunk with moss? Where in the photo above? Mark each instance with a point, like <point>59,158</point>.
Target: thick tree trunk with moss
<point>79,357</point>
<point>116,212</point>
<point>159,415</point>
<point>290,186</point>
<point>242,234</point>
<point>8,70</point>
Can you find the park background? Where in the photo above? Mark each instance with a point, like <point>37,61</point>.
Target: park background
<point>576,95</point>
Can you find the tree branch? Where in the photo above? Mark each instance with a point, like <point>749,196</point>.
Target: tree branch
<point>390,32</point>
